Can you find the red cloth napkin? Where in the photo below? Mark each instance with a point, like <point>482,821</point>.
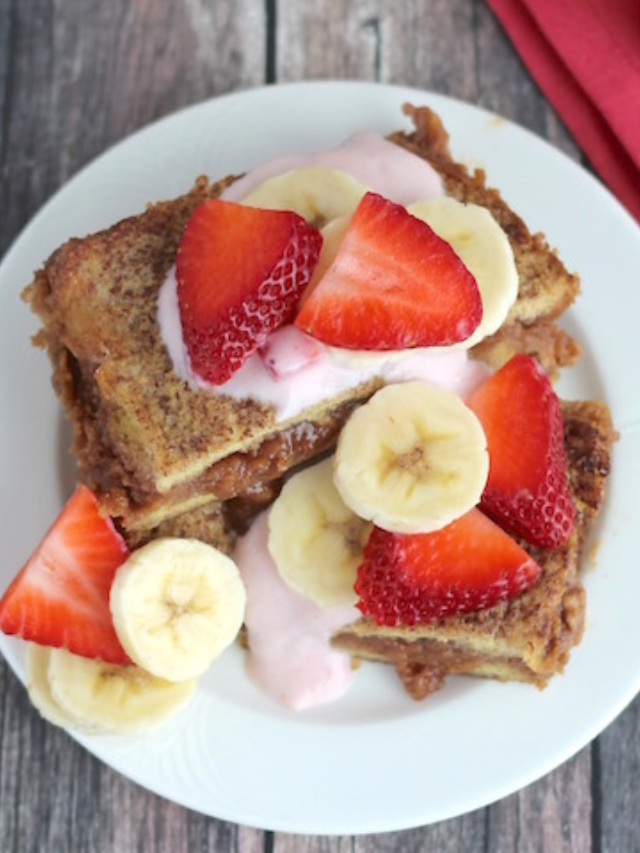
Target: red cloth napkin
<point>585,56</point>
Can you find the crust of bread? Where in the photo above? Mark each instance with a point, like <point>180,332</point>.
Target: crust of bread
<point>208,523</point>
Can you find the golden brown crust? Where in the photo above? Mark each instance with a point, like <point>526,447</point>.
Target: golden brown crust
<point>527,638</point>
<point>208,523</point>
<point>545,340</point>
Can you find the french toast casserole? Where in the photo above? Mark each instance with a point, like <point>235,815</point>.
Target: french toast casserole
<point>166,458</point>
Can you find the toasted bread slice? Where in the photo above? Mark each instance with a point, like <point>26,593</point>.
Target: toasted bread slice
<point>152,447</point>
<point>528,638</point>
<point>208,523</point>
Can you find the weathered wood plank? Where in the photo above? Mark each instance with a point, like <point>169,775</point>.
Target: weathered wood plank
<point>553,814</point>
<point>83,75</point>
<point>616,784</point>
<point>375,40</point>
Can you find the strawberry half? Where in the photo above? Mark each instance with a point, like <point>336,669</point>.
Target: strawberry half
<point>61,596</point>
<point>241,272</point>
<point>393,284</point>
<point>470,564</point>
<point>527,491</point>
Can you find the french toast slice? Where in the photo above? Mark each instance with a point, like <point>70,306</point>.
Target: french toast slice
<point>529,637</point>
<point>151,446</point>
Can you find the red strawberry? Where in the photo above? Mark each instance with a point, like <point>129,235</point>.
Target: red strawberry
<point>394,284</point>
<point>61,596</point>
<point>468,565</point>
<point>527,491</point>
<point>241,272</point>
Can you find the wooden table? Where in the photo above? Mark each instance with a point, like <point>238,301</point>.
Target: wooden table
<point>75,77</point>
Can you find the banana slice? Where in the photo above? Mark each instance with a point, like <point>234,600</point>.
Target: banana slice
<point>39,689</point>
<point>314,192</point>
<point>485,250</point>
<point>105,698</point>
<point>176,605</point>
<point>332,235</point>
<point>315,540</point>
<point>412,459</point>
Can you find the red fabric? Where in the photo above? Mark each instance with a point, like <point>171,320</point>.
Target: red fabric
<point>585,56</point>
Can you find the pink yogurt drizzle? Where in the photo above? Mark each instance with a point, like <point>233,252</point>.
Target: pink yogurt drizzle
<point>290,657</point>
<point>368,157</point>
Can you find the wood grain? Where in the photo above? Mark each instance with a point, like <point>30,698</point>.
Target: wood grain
<point>77,76</point>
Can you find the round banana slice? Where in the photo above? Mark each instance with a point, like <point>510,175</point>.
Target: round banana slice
<point>315,540</point>
<point>485,250</point>
<point>107,698</point>
<point>412,459</point>
<point>316,193</point>
<point>39,689</point>
<point>176,605</point>
<point>332,236</point>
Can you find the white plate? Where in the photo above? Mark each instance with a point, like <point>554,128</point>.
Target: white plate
<point>375,761</point>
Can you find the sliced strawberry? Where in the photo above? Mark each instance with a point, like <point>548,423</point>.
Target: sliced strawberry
<point>527,491</point>
<point>470,564</point>
<point>61,596</point>
<point>393,284</point>
<point>241,272</point>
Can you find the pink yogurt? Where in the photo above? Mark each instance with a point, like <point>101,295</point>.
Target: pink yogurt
<point>368,157</point>
<point>293,372</point>
<point>290,657</point>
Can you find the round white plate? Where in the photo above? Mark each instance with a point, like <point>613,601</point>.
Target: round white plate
<point>375,761</point>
